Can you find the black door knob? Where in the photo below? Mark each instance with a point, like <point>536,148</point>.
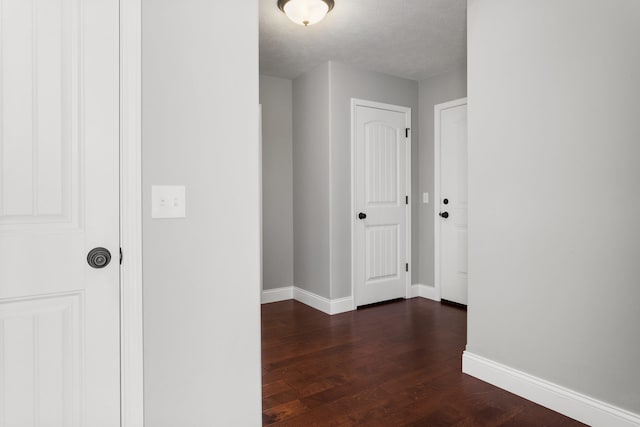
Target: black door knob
<point>445,201</point>
<point>362,215</point>
<point>444,215</point>
<point>99,257</point>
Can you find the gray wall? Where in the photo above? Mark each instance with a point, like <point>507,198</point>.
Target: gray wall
<point>435,90</point>
<point>554,204</point>
<point>277,183</point>
<point>201,274</point>
<point>322,169</point>
<point>311,181</point>
<point>348,82</point>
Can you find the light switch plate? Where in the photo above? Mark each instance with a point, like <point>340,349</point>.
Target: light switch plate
<point>425,197</point>
<point>168,201</point>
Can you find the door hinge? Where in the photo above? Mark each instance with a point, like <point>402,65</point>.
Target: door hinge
<point>406,200</point>
<point>406,267</point>
<point>406,132</point>
<point>120,256</point>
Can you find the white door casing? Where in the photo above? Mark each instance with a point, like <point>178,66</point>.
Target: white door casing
<point>131,357</point>
<point>381,242</point>
<point>451,200</point>
<point>59,198</point>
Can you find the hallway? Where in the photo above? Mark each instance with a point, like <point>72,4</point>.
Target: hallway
<point>390,365</point>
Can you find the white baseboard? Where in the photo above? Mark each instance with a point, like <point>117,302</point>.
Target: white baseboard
<point>342,305</point>
<point>278,294</point>
<point>424,291</point>
<point>335,306</point>
<point>323,304</point>
<point>560,399</point>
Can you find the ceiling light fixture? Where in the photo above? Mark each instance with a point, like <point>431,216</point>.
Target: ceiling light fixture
<point>305,12</point>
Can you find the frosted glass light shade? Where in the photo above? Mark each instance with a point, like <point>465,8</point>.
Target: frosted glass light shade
<point>305,12</point>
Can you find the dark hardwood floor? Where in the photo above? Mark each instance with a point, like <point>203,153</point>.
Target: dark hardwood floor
<point>389,365</point>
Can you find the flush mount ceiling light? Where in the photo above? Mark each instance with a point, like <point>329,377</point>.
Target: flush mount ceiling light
<point>305,12</point>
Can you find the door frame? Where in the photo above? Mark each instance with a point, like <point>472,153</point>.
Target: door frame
<point>438,109</point>
<point>131,315</point>
<point>355,102</point>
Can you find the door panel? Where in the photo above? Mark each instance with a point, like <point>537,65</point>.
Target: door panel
<point>59,198</point>
<point>453,187</point>
<point>40,367</point>
<point>382,246</point>
<point>381,166</point>
<point>380,175</point>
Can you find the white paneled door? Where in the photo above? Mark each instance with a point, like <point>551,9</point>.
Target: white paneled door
<point>381,177</point>
<point>452,214</point>
<point>59,199</point>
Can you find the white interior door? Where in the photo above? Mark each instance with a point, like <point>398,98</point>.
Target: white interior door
<point>59,198</point>
<point>381,153</point>
<point>452,218</point>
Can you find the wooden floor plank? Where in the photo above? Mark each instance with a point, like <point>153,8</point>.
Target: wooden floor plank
<point>390,365</point>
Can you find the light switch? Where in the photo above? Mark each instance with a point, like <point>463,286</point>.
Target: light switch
<point>168,201</point>
<point>425,197</point>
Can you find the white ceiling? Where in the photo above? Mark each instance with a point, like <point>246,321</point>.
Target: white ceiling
<point>414,39</point>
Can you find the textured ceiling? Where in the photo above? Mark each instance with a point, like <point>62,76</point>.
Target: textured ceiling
<point>414,39</point>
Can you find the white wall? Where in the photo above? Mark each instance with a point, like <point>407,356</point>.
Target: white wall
<point>435,90</point>
<point>277,182</point>
<point>311,181</point>
<point>201,274</point>
<point>348,82</point>
<point>554,209</point>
